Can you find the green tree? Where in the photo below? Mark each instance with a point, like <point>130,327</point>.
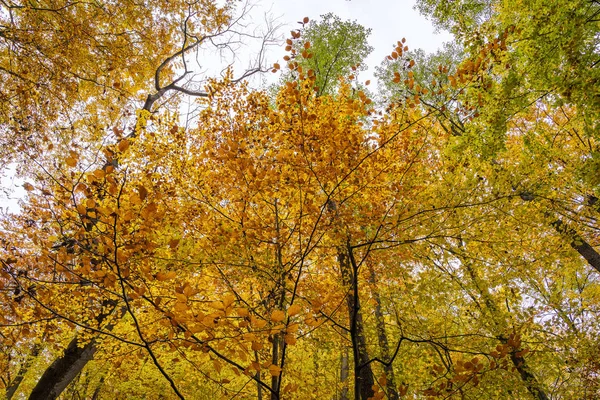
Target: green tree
<point>337,48</point>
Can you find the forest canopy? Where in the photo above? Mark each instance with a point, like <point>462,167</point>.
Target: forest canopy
<point>188,236</point>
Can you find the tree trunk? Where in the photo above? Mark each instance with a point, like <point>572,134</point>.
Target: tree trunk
<point>63,370</point>
<point>275,361</point>
<point>576,241</point>
<point>344,372</point>
<point>392,392</point>
<point>363,375</point>
<point>531,383</point>
<point>14,384</point>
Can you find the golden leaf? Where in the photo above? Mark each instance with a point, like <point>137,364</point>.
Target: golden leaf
<point>274,370</point>
<point>277,316</point>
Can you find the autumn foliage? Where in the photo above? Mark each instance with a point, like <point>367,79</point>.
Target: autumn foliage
<point>437,241</point>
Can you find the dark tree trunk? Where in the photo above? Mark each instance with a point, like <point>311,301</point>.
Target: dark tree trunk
<point>363,375</point>
<point>392,392</point>
<point>16,382</point>
<point>531,383</point>
<point>579,244</point>
<point>63,370</point>
<point>344,372</point>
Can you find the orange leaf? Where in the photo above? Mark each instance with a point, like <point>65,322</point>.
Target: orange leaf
<point>294,310</point>
<point>123,145</point>
<point>274,370</point>
<point>277,316</point>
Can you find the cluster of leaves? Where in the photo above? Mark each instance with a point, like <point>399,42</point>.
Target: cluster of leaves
<point>309,242</point>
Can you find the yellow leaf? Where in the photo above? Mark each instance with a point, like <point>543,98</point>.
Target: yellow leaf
<point>290,339</point>
<point>242,312</point>
<point>228,300</point>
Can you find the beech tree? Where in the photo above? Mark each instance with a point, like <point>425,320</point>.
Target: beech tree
<point>306,243</point>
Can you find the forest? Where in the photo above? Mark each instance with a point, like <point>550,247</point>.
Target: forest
<point>188,235</point>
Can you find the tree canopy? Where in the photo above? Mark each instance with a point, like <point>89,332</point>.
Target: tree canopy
<point>437,238</point>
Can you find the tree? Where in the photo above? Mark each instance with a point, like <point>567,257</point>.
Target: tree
<point>307,243</point>
<point>336,49</point>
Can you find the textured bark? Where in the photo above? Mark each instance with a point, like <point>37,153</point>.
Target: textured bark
<point>63,370</point>
<point>392,391</point>
<point>275,361</point>
<point>533,386</point>
<point>363,375</point>
<point>575,240</point>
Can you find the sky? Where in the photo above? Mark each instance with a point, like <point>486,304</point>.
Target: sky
<point>389,21</point>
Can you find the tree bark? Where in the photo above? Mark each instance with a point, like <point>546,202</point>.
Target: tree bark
<point>344,372</point>
<point>531,383</point>
<point>16,382</point>
<point>392,391</point>
<point>63,370</point>
<point>578,243</point>
<point>363,374</point>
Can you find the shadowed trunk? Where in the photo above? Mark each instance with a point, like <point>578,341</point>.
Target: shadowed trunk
<point>578,243</point>
<point>363,375</point>
<point>531,383</point>
<point>344,372</point>
<point>392,392</point>
<point>16,382</point>
<point>63,370</point>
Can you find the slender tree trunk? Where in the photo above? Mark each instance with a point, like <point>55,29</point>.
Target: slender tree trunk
<point>96,394</point>
<point>392,391</point>
<point>531,383</point>
<point>363,374</point>
<point>14,384</point>
<point>575,240</point>
<point>275,361</point>
<point>344,372</point>
<point>259,395</point>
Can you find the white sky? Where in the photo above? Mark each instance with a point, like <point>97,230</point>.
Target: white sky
<point>389,21</point>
